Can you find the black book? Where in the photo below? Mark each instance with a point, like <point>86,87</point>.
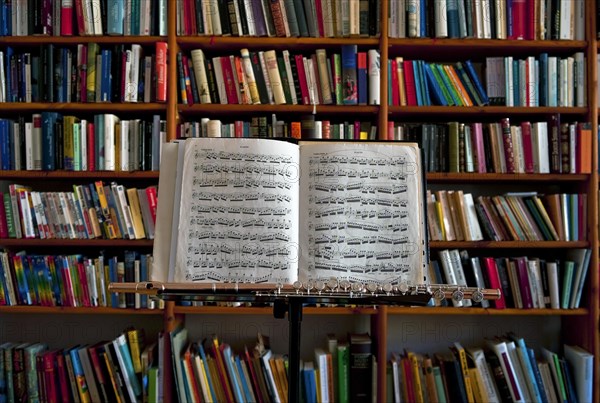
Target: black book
<point>212,81</point>
<point>502,268</point>
<point>360,367</point>
<point>224,17</point>
<point>116,70</point>
<point>233,19</point>
<point>260,79</point>
<point>59,144</point>
<point>454,379</point>
<point>243,27</point>
<point>499,376</point>
<point>296,80</point>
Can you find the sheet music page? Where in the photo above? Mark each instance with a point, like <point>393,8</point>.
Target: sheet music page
<point>361,212</point>
<point>239,211</point>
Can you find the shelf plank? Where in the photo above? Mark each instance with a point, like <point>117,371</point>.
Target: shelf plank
<point>218,109</point>
<point>440,177</point>
<point>70,243</point>
<point>508,244</point>
<point>90,107</point>
<point>91,175</point>
<point>487,110</point>
<point>471,44</point>
<point>73,40</point>
<point>234,43</point>
<point>267,310</point>
<point>484,311</point>
<point>24,309</point>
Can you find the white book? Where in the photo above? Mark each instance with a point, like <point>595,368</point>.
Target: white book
<point>123,206</point>
<point>97,17</point>
<point>582,367</point>
<point>215,17</point>
<point>563,79</point>
<point>472,220</point>
<point>145,17</point>
<point>219,79</point>
<point>392,21</point>
<point>124,360</point>
<point>534,274</point>
<point>488,383</point>
<point>88,17</point>
<point>110,122</point>
<point>90,273</point>
<point>270,377</point>
<point>267,76</point>
<point>248,10</point>
<point>570,81</point>
<point>36,138</point>
<point>199,66</point>
<point>486,7</point>
<point>288,69</point>
<point>29,165</point>
<point>580,79</point>
<point>413,18</point>
<point>567,10</point>
<point>2,79</point>
<point>162,17</point>
<point>324,76</point>
<point>542,143</point>
<point>508,70</point>
<point>374,71</point>
<point>274,77</point>
<point>346,17</point>
<point>354,17</point>
<point>310,81</point>
<point>449,273</point>
<point>318,129</point>
<point>38,211</point>
<point>401,11</point>
<point>136,55</point>
<point>127,73</point>
<point>124,145</point>
<point>459,272</point>
<point>552,81</point>
<point>509,368</point>
<point>83,145</point>
<point>553,284</point>
<point>441,19</point>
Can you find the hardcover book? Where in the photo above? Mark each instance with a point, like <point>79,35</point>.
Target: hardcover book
<point>269,211</point>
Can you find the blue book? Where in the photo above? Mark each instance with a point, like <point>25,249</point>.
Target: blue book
<point>48,140</point>
<point>432,86</point>
<point>516,83</point>
<point>423,19</point>
<point>446,80</point>
<point>527,368</point>
<point>114,22</point>
<point>126,363</point>
<point>509,19</point>
<point>452,14</point>
<point>78,371</point>
<point>112,276</point>
<point>233,375</point>
<point>3,32</point>
<point>537,375</point>
<point>389,74</point>
<point>144,277</point>
<point>245,387</point>
<point>99,138</point>
<point>543,69</point>
<point>475,78</point>
<point>65,75</point>
<point>362,72</point>
<point>349,75</point>
<point>423,83</point>
<point>417,83</point>
<point>574,227</point>
<point>106,80</point>
<point>5,149</point>
<point>207,371</point>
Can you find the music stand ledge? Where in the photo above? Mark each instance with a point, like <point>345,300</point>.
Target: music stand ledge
<point>291,299</point>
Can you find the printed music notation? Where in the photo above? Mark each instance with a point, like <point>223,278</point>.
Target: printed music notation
<point>262,211</point>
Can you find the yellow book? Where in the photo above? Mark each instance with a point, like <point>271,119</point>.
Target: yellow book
<point>415,363</point>
<point>440,214</point>
<point>136,213</point>
<point>135,337</point>
<point>92,52</point>
<point>318,384</point>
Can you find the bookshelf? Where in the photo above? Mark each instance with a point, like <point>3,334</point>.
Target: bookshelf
<point>382,322</point>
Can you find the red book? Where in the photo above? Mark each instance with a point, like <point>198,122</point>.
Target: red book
<point>63,378</point>
<point>85,291</point>
<point>527,147</point>
<point>390,131</point>
<point>582,215</point>
<point>193,382</point>
<point>326,129</point>
<point>230,88</point>
<point>124,75</point>
<point>531,24</point>
<point>91,151</point>
<point>494,280</point>
<point>50,377</point>
<point>356,130</point>
<point>161,71</point>
<point>407,370</point>
<point>584,145</point>
<point>278,19</point>
<point>519,17</point>
<point>409,80</point>
<point>395,88</point>
<point>3,222</point>
<point>302,79</point>
<point>66,18</point>
<point>526,296</point>
<point>79,15</point>
<point>320,22</point>
<point>239,128</point>
<point>254,376</point>
<point>221,370</point>
<point>478,147</point>
<point>152,201</point>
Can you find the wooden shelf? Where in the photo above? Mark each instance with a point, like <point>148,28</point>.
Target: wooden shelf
<point>235,43</point>
<point>485,311</point>
<point>90,107</point>
<point>218,109</point>
<point>507,244</point>
<point>267,310</point>
<point>443,177</point>
<point>73,40</point>
<point>24,309</point>
<point>71,243</point>
<point>91,175</point>
<point>446,111</point>
<point>479,44</point>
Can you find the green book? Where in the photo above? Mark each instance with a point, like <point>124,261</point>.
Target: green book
<point>337,84</point>
<point>153,384</point>
<point>343,362</point>
<point>439,384</point>
<point>440,82</point>
<point>10,219</point>
<point>567,282</point>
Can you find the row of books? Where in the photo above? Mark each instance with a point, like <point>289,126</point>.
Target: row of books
<point>525,282</point>
<point>501,147</point>
<point>454,215</point>
<point>262,126</point>
<point>281,18</point>
<point>107,371</point>
<point>51,141</point>
<point>502,369</point>
<point>269,77</point>
<point>500,19</point>
<point>543,81</point>
<point>89,211</point>
<point>420,83</point>
<point>89,73</point>
<point>72,280</point>
<point>83,17</point>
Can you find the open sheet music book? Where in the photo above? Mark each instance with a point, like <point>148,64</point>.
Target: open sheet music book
<point>267,211</point>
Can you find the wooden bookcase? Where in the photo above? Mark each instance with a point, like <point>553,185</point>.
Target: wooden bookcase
<point>578,326</point>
